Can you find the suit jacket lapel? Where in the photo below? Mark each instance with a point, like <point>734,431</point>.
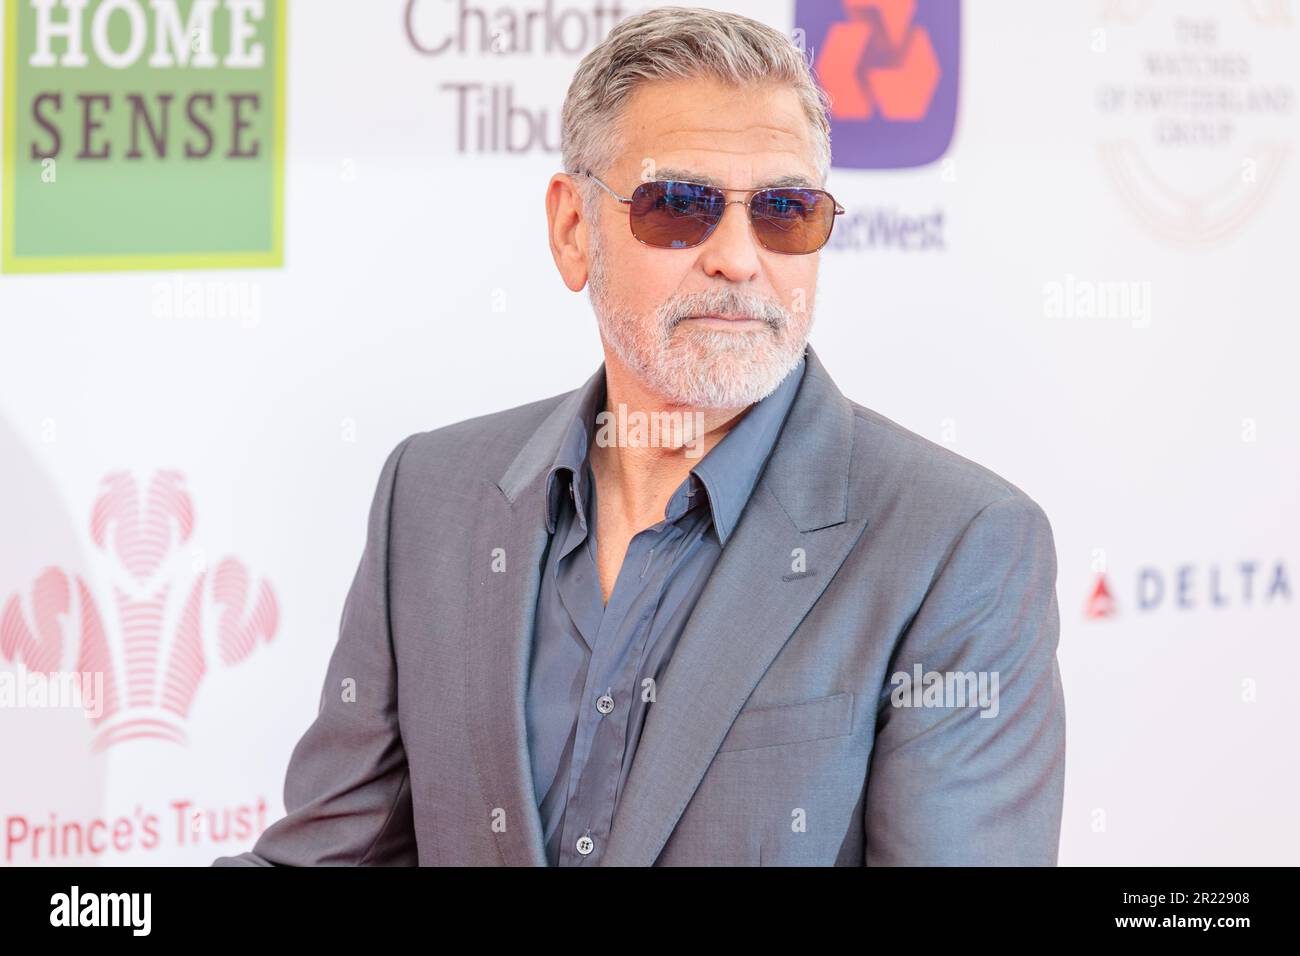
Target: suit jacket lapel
<point>499,642</point>
<point>748,610</point>
<point>753,602</point>
<point>498,646</point>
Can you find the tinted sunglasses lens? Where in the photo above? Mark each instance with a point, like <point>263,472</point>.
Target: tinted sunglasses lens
<point>794,221</point>
<point>675,215</point>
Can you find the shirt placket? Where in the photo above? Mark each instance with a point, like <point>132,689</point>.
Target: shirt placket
<point>611,683</point>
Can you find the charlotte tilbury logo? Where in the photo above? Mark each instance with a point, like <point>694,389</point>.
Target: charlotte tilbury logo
<point>504,116</point>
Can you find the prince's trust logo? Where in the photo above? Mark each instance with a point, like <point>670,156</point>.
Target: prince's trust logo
<point>139,662</point>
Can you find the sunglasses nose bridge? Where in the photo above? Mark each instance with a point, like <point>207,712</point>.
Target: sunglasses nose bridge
<point>747,223</point>
<point>734,202</point>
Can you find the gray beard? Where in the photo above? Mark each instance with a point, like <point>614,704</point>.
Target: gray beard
<point>699,367</point>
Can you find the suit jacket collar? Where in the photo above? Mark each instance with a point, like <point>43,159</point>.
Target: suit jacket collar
<point>820,425</point>
<point>794,533</point>
<point>728,472</point>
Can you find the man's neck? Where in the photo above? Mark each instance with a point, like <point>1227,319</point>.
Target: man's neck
<point>636,479</point>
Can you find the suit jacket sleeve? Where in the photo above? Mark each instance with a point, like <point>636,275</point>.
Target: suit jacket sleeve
<point>947,786</point>
<point>347,793</point>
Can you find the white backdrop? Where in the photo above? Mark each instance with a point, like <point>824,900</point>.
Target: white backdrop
<point>1162,443</point>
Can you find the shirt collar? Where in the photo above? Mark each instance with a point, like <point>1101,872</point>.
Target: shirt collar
<point>572,453</point>
<point>729,471</point>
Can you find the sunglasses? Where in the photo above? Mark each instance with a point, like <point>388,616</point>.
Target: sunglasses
<point>791,220</point>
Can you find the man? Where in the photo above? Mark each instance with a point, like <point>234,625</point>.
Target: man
<point>733,639</point>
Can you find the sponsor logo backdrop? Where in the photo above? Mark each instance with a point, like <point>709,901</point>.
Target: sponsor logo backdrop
<point>1068,254</point>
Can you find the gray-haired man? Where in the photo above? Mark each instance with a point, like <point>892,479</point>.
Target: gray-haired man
<point>703,609</point>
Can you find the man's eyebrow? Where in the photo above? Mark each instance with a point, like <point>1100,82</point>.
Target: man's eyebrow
<point>686,176</point>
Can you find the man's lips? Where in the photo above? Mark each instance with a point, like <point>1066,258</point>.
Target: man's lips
<point>716,319</point>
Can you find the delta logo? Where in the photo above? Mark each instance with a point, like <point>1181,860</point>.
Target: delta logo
<point>1194,587</point>
<point>890,68</point>
<point>143,134</point>
<point>146,652</point>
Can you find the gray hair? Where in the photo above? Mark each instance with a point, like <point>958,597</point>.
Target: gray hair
<point>667,43</point>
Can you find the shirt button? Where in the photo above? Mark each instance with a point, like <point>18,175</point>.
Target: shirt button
<point>604,703</point>
<point>585,845</point>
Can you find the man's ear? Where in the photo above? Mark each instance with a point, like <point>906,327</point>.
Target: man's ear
<point>567,230</point>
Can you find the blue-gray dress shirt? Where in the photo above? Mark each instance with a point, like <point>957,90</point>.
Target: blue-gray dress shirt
<point>594,668</point>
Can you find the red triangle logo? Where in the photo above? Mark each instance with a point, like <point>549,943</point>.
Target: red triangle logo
<point>1100,604</point>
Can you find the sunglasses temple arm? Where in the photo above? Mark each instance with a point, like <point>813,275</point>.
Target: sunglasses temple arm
<point>596,180</point>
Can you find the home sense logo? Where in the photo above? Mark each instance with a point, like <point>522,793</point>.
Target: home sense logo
<point>890,68</point>
<point>143,135</point>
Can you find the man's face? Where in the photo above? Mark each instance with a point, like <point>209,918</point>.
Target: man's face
<point>670,315</point>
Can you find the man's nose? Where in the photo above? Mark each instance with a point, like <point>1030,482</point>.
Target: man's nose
<point>732,250</point>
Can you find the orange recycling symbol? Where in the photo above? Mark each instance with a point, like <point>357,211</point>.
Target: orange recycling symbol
<point>876,62</point>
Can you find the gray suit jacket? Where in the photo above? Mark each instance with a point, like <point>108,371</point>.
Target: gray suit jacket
<point>865,551</point>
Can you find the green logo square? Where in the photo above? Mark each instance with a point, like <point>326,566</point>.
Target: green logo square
<point>143,135</point>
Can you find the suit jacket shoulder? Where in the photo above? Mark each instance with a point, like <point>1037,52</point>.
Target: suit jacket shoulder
<point>897,470</point>
<point>482,446</point>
